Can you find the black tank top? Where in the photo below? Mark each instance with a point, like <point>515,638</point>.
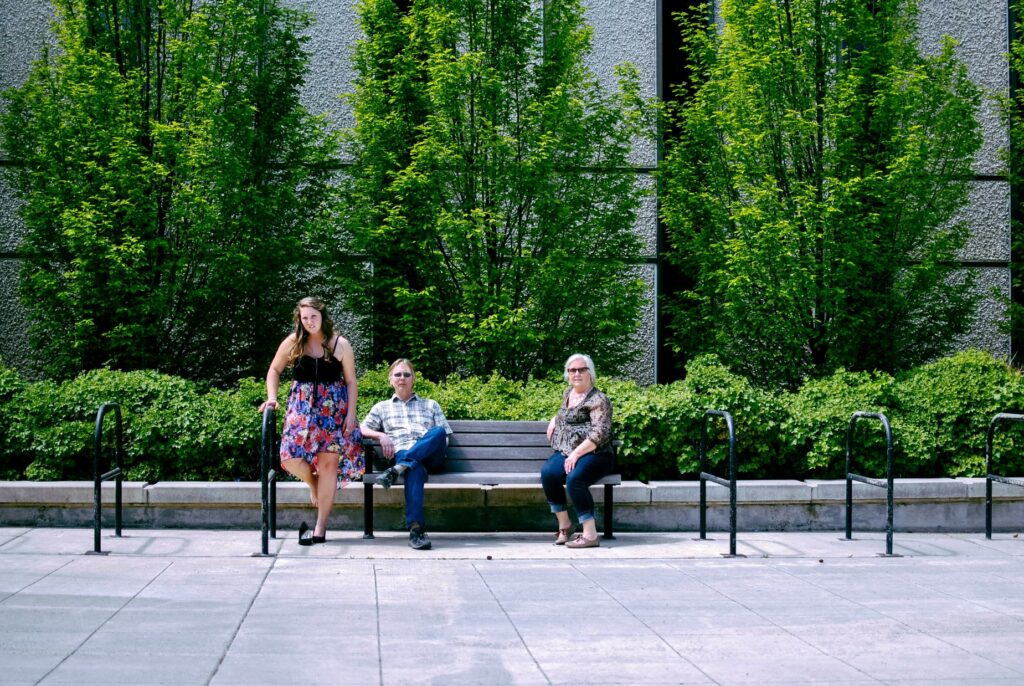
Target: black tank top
<point>326,369</point>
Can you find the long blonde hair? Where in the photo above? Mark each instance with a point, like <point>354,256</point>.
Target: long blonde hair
<point>302,336</point>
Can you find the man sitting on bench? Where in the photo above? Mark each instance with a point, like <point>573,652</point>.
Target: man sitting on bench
<point>413,435</point>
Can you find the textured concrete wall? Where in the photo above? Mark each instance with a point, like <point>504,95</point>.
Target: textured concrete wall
<point>980,27</point>
<point>986,334</point>
<point>14,321</point>
<point>331,39</point>
<point>627,31</point>
<point>14,349</point>
<point>624,30</point>
<point>24,30</point>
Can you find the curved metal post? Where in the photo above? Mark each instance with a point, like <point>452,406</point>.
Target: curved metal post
<point>703,481</point>
<point>705,476</point>
<point>887,484</point>
<point>268,480</point>
<point>989,475</point>
<point>115,473</point>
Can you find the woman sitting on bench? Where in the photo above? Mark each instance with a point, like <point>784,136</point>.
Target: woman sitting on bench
<point>580,433</point>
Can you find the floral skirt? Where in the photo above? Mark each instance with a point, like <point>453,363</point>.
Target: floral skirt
<point>314,422</point>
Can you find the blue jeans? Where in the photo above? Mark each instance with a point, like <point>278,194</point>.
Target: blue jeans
<point>426,453</point>
<point>589,468</point>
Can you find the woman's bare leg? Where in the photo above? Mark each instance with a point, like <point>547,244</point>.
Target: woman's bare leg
<point>327,487</point>
<point>300,469</point>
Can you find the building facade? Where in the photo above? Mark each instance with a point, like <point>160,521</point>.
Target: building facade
<point>638,31</point>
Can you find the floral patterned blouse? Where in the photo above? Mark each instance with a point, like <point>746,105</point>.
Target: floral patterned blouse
<point>591,419</point>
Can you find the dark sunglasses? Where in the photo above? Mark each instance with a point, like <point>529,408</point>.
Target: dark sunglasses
<point>581,370</point>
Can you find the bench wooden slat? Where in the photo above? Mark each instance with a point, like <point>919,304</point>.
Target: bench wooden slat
<point>501,478</point>
<point>534,440</point>
<point>504,466</point>
<point>499,454</point>
<point>496,427</point>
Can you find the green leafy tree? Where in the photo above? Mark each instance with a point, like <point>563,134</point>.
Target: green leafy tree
<point>811,192</point>
<point>169,176</point>
<point>491,188</point>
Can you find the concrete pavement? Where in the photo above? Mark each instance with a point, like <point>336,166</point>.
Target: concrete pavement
<point>196,607</point>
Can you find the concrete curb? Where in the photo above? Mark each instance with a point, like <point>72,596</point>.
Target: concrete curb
<point>934,505</point>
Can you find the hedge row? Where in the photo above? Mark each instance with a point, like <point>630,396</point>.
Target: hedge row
<point>176,429</point>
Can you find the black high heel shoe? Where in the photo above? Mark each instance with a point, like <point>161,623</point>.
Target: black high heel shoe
<point>306,536</point>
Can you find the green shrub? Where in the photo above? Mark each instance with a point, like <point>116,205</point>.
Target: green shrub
<point>178,430</point>
<point>652,424</point>
<point>818,416</point>
<point>172,428</point>
<point>373,387</point>
<point>228,436</point>
<point>12,462</point>
<point>757,416</point>
<point>945,409</point>
<point>474,397</point>
<point>498,398</point>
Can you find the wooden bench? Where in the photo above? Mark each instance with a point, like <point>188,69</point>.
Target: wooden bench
<point>485,453</point>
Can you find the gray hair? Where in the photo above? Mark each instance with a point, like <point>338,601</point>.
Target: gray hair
<point>589,362</point>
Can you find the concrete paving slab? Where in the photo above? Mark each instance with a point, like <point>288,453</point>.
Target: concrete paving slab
<point>133,669</point>
<point>196,607</point>
<point>28,668</point>
<point>280,668</point>
<point>32,638</point>
<point>132,643</point>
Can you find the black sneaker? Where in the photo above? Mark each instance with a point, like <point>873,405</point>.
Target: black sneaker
<point>387,477</point>
<point>418,539</point>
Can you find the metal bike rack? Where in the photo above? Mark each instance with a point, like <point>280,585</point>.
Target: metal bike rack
<point>989,476</point>
<point>705,476</point>
<point>268,479</point>
<point>881,483</point>
<point>115,474</point>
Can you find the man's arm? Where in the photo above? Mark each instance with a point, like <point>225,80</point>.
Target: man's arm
<point>438,418</point>
<point>373,419</point>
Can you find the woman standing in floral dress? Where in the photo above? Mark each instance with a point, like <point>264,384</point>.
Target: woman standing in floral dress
<point>320,442</point>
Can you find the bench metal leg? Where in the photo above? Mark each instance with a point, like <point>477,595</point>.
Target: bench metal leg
<point>609,500</point>
<point>368,510</point>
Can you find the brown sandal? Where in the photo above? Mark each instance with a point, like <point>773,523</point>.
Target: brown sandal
<point>563,536</point>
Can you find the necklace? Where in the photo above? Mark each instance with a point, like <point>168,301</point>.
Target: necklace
<point>576,398</point>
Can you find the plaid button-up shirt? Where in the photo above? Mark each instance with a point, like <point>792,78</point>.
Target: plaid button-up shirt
<point>406,422</point>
